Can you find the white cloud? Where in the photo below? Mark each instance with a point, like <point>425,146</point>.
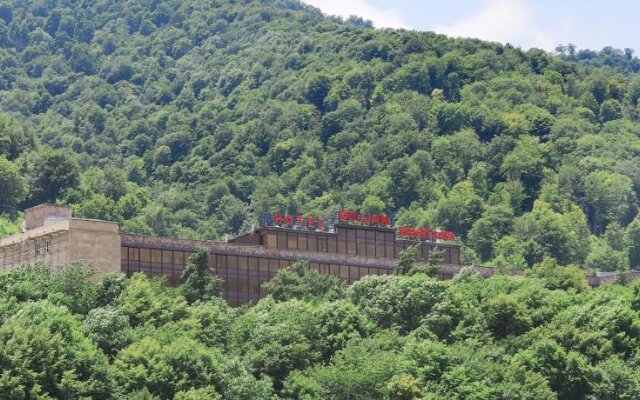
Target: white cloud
<point>381,17</point>
<point>512,21</point>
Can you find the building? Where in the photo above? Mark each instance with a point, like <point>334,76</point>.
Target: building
<point>52,236</point>
<point>350,247</point>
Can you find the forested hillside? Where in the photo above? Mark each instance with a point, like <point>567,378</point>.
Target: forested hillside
<point>396,337</point>
<point>193,118</point>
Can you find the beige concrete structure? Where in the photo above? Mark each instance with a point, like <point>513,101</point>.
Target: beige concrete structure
<point>61,240</point>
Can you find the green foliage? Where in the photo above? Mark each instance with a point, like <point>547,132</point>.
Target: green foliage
<point>407,260</point>
<point>178,119</point>
<point>506,316</point>
<point>603,257</point>
<point>408,263</point>
<point>610,197</point>
<point>13,186</point>
<point>110,288</point>
<point>49,174</point>
<point>616,380</point>
<point>198,281</point>
<point>554,276</point>
<point>300,282</point>
<point>543,336</point>
<point>108,329</point>
<point>43,353</point>
<point>8,227</point>
<point>396,301</point>
<point>70,286</point>
<point>166,369</point>
<point>360,371</point>
<point>146,302</point>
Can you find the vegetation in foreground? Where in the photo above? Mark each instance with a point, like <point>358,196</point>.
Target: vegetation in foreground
<point>403,336</point>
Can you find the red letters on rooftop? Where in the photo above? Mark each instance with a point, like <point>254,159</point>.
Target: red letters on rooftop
<point>382,220</point>
<point>426,233</point>
<point>368,219</point>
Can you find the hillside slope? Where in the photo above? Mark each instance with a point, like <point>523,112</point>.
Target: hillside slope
<point>193,118</point>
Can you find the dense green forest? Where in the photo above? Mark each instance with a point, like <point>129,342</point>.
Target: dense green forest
<point>193,118</point>
<point>403,336</point>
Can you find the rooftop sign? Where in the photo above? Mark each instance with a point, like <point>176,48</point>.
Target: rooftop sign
<point>299,221</point>
<point>294,221</point>
<point>366,219</point>
<point>426,234</point>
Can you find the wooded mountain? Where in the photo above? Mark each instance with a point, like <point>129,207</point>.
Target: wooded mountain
<point>193,118</point>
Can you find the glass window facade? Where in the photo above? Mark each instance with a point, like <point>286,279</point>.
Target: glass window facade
<point>243,275</point>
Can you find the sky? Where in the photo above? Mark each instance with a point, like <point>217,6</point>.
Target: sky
<point>589,24</point>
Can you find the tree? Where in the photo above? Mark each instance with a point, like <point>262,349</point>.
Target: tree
<point>615,380</point>
<point>50,173</point>
<point>373,205</point>
<point>14,138</point>
<point>13,186</point>
<point>496,222</point>
<point>567,373</point>
<point>362,370</point>
<point>110,288</point>
<point>460,209</point>
<point>555,277</point>
<point>43,353</point>
<point>506,316</point>
<point>610,197</point>
<point>277,338</point>
<point>397,300</point>
<point>299,282</point>
<point>551,233</point>
<point>610,110</point>
<point>404,177</point>
<point>632,238</point>
<point>407,259</point>
<point>526,163</point>
<point>317,89</point>
<point>603,258</point>
<point>165,370</point>
<point>146,302</point>
<point>434,262</point>
<point>108,329</point>
<point>198,282</point>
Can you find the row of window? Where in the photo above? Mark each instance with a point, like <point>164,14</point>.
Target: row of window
<point>243,276</point>
<point>368,243</point>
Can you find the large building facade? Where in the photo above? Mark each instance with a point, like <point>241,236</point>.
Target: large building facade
<point>349,249</point>
<point>245,263</point>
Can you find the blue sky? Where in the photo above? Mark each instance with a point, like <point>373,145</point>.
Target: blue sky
<point>526,23</point>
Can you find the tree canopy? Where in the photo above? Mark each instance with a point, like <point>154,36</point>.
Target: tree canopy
<point>193,118</point>
<point>404,336</point>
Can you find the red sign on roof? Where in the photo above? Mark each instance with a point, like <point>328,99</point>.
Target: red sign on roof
<point>426,234</point>
<point>367,219</point>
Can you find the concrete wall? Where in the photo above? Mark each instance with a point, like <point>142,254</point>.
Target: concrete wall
<point>49,244</point>
<point>96,243</point>
<point>37,216</point>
